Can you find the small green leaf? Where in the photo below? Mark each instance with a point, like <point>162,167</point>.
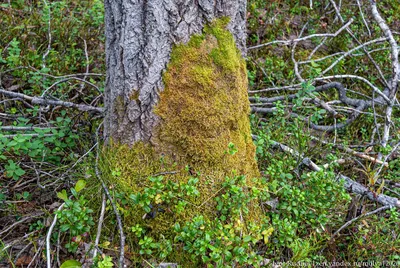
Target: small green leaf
<point>64,227</point>
<point>247,239</point>
<point>80,185</point>
<point>71,264</point>
<point>19,172</point>
<point>62,195</point>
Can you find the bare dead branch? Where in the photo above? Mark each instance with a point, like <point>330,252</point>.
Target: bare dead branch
<point>48,237</point>
<point>394,48</point>
<point>44,102</point>
<point>290,87</point>
<point>9,228</point>
<point>289,42</point>
<point>349,184</point>
<point>68,79</point>
<point>363,18</point>
<point>99,226</point>
<point>15,128</point>
<point>352,152</point>
<point>46,53</point>
<point>361,216</point>
<point>359,105</point>
<point>375,41</point>
<point>395,69</point>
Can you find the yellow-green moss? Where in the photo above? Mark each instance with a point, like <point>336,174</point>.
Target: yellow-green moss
<point>203,107</point>
<point>134,95</point>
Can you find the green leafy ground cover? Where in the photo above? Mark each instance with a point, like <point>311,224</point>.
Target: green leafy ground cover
<point>47,157</point>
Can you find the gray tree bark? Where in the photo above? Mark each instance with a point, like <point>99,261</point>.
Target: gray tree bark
<point>140,35</point>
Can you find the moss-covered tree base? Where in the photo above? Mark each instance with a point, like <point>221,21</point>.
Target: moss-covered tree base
<point>203,133</point>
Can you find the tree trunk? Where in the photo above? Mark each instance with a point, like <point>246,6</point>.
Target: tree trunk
<point>139,40</point>
<point>177,103</point>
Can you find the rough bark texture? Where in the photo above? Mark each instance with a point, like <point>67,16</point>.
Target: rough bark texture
<point>140,36</point>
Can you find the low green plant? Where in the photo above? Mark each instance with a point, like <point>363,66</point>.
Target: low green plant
<point>24,196</point>
<point>373,239</point>
<point>13,170</point>
<point>75,218</point>
<point>14,51</point>
<point>219,241</point>
<point>71,264</point>
<point>303,204</point>
<point>53,144</point>
<point>105,262</point>
<point>38,225</point>
<point>221,244</point>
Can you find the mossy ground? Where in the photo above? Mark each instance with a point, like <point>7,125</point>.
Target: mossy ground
<point>203,108</point>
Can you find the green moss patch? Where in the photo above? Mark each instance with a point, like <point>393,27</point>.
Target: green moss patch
<point>203,136</point>
<point>204,105</point>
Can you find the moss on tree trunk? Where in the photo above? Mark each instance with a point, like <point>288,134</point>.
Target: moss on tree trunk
<point>203,132</point>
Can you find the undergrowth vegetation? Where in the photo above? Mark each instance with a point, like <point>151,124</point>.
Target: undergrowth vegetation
<point>55,50</point>
<point>311,206</point>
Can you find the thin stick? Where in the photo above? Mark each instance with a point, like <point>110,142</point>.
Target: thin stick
<point>15,128</point>
<point>99,226</point>
<point>379,40</point>
<point>41,244</point>
<point>117,215</point>
<point>337,10</point>
<point>43,101</point>
<point>20,221</point>
<point>66,80</point>
<point>32,135</point>
<point>288,42</point>
<point>48,247</point>
<point>352,152</point>
<point>87,63</point>
<point>349,184</point>
<point>395,69</point>
<point>49,34</point>
<point>21,251</point>
<point>363,18</point>
<point>361,216</point>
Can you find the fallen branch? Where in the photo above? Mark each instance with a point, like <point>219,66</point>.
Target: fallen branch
<point>44,102</point>
<point>99,226</point>
<point>32,135</point>
<point>361,216</point>
<point>9,228</point>
<point>349,184</point>
<point>352,152</point>
<point>395,70</point>
<point>359,105</point>
<point>15,128</point>
<point>48,237</point>
<point>288,42</point>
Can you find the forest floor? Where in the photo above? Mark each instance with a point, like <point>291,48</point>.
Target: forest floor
<point>320,84</point>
